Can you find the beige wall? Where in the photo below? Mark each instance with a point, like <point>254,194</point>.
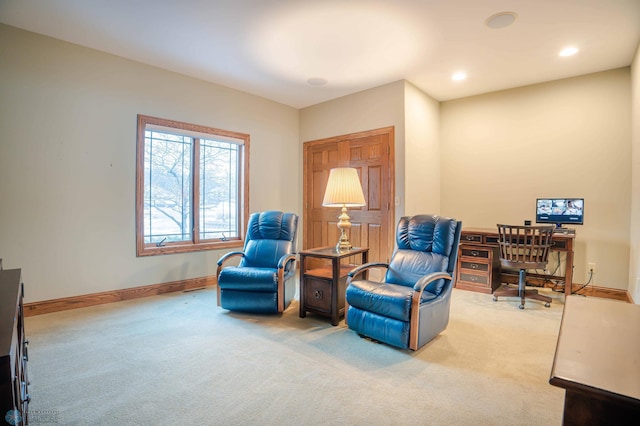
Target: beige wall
<point>67,162</point>
<point>422,152</point>
<point>567,138</point>
<point>634,258</point>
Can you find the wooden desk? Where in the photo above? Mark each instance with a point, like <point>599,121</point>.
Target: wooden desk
<point>478,266</point>
<point>597,361</point>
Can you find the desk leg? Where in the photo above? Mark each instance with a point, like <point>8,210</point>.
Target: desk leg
<point>335,314</point>
<point>301,290</point>
<point>568,273</point>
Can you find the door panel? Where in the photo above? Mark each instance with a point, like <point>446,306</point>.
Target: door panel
<point>371,153</point>
<point>375,187</point>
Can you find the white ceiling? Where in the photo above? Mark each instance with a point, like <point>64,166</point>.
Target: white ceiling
<point>270,48</point>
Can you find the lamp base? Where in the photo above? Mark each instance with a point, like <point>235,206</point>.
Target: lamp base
<point>343,224</point>
<point>343,246</point>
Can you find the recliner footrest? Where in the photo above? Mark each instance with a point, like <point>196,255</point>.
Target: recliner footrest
<point>378,327</point>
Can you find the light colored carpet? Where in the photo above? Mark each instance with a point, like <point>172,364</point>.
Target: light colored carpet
<point>179,359</point>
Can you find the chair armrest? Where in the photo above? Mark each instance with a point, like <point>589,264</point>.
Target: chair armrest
<point>228,256</point>
<point>428,279</point>
<point>286,259</point>
<point>363,268</point>
<point>221,261</point>
<point>418,289</point>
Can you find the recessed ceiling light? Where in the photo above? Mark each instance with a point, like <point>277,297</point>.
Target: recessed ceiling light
<point>317,81</point>
<point>569,51</point>
<point>501,20</point>
<point>459,76</point>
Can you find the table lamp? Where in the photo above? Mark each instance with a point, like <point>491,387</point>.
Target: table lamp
<point>343,190</point>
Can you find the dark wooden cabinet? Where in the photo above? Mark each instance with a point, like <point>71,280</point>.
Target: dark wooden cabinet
<point>14,383</point>
<point>478,268</point>
<point>323,277</point>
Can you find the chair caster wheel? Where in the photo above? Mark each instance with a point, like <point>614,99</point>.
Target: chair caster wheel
<point>521,307</point>
<point>546,305</point>
<point>495,299</point>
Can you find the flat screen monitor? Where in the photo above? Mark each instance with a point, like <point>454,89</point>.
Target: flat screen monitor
<point>561,211</point>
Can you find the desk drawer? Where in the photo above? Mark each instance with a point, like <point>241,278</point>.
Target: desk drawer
<point>474,266</point>
<point>471,238</point>
<point>491,240</point>
<point>474,279</point>
<point>479,252</point>
<point>558,244</point>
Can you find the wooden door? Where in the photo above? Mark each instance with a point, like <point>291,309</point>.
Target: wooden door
<point>371,153</point>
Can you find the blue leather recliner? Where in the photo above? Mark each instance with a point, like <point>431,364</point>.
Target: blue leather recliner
<point>411,306</point>
<point>263,281</point>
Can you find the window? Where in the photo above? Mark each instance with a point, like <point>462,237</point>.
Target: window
<point>191,187</point>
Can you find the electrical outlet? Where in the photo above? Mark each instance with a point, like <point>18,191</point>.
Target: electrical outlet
<point>591,268</point>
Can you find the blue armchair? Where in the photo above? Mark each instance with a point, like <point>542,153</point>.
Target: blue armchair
<point>411,306</point>
<point>263,281</point>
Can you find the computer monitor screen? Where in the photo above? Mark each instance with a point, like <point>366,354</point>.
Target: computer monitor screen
<point>560,211</point>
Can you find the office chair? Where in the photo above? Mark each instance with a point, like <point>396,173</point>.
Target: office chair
<point>522,248</point>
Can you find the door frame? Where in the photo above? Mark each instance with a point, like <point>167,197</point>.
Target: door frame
<point>390,131</point>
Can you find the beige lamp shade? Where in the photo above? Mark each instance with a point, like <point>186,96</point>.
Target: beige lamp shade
<point>343,189</point>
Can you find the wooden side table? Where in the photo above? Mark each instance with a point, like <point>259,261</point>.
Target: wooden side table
<point>322,286</point>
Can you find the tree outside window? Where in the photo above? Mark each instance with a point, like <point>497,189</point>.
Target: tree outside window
<point>192,187</point>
